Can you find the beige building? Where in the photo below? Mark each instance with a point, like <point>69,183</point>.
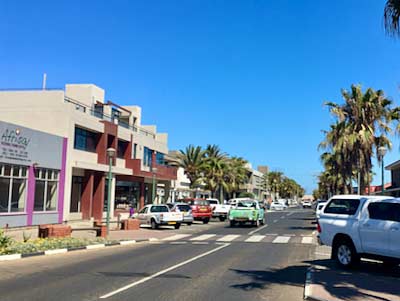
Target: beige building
<point>91,124</point>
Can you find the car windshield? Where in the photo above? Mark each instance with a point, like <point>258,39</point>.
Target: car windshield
<point>246,204</point>
<point>183,208</point>
<point>201,203</point>
<point>213,202</point>
<point>159,209</point>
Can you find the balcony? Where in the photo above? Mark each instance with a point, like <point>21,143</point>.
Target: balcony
<point>100,115</point>
<point>163,172</point>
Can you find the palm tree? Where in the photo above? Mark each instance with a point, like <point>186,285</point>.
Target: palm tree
<point>391,18</point>
<point>192,161</point>
<point>363,123</point>
<point>236,174</point>
<point>274,179</point>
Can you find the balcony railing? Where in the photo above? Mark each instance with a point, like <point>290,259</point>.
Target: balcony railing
<point>98,114</point>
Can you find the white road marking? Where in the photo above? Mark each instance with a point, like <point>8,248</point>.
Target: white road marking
<point>258,229</point>
<point>176,237</point>
<point>227,238</point>
<point>200,243</point>
<point>153,239</point>
<point>307,240</point>
<point>178,242</point>
<point>281,240</point>
<point>282,216</point>
<point>313,233</point>
<point>289,235</point>
<point>271,234</point>
<point>124,288</point>
<point>203,237</point>
<point>290,214</point>
<point>255,238</point>
<point>275,221</point>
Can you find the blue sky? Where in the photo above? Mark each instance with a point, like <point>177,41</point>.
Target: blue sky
<point>250,76</point>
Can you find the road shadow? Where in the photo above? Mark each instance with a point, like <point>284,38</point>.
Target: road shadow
<point>368,280</point>
<point>303,218</point>
<point>262,279</point>
<point>306,228</point>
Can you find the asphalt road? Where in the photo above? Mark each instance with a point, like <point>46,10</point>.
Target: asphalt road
<point>266,263</point>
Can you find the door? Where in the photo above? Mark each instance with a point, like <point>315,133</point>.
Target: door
<point>142,215</point>
<point>394,234</point>
<point>374,228</point>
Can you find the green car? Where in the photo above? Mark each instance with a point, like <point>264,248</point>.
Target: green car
<point>246,211</point>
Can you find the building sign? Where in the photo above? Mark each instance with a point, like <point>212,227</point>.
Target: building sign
<point>24,146</point>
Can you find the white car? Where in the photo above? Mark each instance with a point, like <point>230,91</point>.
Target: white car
<point>361,226</point>
<point>158,215</point>
<point>220,211</point>
<point>320,207</point>
<point>306,204</point>
<point>277,206</point>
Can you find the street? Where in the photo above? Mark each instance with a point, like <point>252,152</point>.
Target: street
<point>266,263</point>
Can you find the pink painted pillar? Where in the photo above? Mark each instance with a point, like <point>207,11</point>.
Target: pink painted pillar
<point>30,199</point>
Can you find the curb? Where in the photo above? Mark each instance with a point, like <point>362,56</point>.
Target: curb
<point>10,257</point>
<point>308,292</point>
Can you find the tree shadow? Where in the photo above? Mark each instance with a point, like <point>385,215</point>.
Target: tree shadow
<point>309,228</point>
<point>262,279</point>
<point>355,283</point>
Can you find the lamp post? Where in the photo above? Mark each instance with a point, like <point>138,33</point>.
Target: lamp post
<point>154,170</point>
<point>381,153</point>
<point>111,152</point>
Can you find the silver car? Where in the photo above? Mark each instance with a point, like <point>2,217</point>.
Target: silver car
<point>186,210</point>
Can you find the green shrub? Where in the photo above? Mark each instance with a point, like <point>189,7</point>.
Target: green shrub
<point>5,240</point>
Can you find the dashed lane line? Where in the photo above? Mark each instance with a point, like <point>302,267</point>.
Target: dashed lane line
<point>258,229</point>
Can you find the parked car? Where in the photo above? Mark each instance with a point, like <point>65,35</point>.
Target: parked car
<point>306,204</point>
<point>361,226</point>
<point>247,211</point>
<point>319,208</point>
<point>159,215</point>
<point>277,206</point>
<point>219,210</point>
<point>201,209</point>
<point>186,211</point>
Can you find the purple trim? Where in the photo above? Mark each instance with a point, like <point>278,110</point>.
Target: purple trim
<point>61,184</point>
<point>30,199</point>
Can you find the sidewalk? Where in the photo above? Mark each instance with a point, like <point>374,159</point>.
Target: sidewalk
<point>368,282</point>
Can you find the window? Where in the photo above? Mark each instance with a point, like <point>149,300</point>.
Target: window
<point>46,189</point>
<point>144,210</point>
<point>115,114</point>
<point>342,206</point>
<point>159,209</point>
<point>384,211</point>
<point>122,147</point>
<point>85,140</point>
<point>160,158</point>
<point>147,156</point>
<point>134,150</point>
<point>12,188</point>
<point>98,111</point>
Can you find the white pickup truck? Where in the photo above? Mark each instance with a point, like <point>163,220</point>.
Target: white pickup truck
<point>158,215</point>
<point>361,226</point>
<point>219,210</point>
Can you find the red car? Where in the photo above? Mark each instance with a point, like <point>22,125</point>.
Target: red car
<point>201,209</point>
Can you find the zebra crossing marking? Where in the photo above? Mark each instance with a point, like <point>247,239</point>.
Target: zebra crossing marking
<point>281,240</point>
<point>228,238</point>
<point>307,240</point>
<point>255,238</point>
<point>176,237</point>
<point>202,237</point>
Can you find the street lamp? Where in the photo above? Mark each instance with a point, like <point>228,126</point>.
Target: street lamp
<point>111,152</point>
<point>154,170</point>
<point>381,153</point>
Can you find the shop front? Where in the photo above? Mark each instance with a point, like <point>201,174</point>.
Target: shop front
<point>32,176</point>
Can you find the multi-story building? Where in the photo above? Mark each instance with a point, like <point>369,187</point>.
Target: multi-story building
<point>255,183</point>
<point>90,125</point>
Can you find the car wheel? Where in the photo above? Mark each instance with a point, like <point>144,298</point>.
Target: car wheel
<point>177,226</point>
<point>345,254</point>
<point>222,218</point>
<point>153,224</point>
<point>232,223</point>
<point>257,223</point>
<point>189,224</point>
<point>205,221</point>
<point>262,222</point>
